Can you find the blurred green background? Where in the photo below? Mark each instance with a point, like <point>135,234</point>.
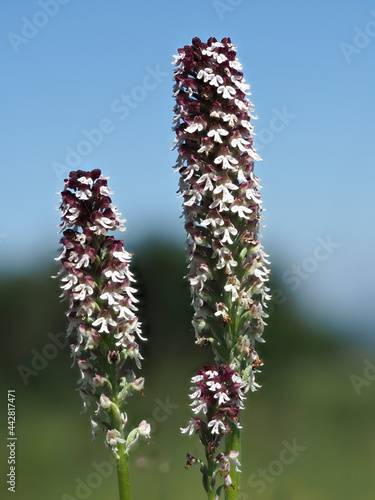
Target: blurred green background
<point>307,399</point>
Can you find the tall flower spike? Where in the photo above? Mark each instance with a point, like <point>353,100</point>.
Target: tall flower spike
<point>221,205</point>
<point>103,326</point>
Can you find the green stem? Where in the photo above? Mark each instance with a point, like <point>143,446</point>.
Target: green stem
<point>233,443</point>
<point>123,460</point>
<point>211,467</point>
<point>123,473</point>
<point>211,495</point>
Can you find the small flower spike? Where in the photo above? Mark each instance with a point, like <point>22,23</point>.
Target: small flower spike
<point>103,326</point>
<point>218,397</point>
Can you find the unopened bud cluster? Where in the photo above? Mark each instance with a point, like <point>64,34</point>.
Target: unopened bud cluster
<point>103,326</point>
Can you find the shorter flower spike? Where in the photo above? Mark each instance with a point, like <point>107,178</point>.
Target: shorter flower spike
<point>218,395</point>
<point>96,280</point>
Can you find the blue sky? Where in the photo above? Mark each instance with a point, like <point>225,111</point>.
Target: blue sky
<point>72,68</point>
